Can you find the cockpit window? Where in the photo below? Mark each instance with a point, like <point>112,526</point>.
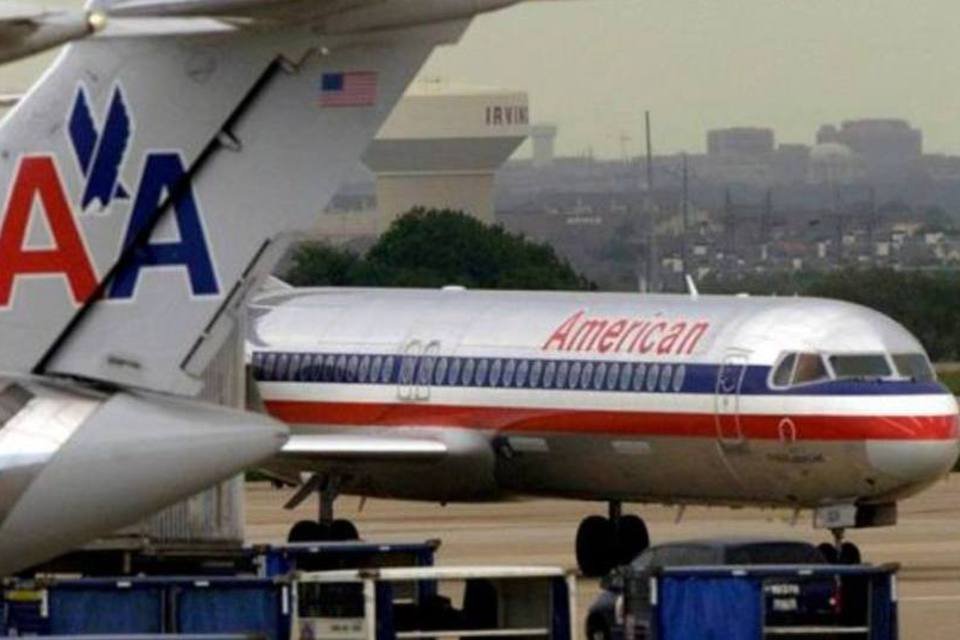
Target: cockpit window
<point>871,365</point>
<point>800,368</point>
<point>784,373</point>
<point>13,398</point>
<point>809,369</point>
<point>914,366</point>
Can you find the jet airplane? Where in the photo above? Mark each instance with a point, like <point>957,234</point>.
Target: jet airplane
<point>455,395</point>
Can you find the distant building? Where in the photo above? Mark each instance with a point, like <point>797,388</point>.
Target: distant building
<point>885,145</point>
<point>740,141</point>
<point>543,136</point>
<point>834,163</point>
<point>441,146</point>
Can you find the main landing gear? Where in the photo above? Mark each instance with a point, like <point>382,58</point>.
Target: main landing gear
<point>326,528</point>
<point>603,543</point>
<point>840,552</point>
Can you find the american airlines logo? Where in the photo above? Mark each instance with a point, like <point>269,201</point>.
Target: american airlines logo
<point>100,150</point>
<point>657,336</point>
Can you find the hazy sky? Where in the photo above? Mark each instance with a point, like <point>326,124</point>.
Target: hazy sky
<point>593,66</point>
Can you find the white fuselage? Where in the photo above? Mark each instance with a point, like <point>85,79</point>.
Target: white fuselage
<point>715,400</point>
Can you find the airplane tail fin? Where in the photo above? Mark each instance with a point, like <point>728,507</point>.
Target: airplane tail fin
<point>152,168</point>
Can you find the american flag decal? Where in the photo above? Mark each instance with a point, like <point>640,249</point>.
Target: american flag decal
<point>348,89</point>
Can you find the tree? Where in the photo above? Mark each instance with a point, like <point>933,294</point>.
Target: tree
<point>433,248</point>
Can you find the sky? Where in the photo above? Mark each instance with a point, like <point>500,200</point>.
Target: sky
<point>593,67</point>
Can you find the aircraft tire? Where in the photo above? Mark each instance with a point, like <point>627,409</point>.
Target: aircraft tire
<point>632,538</point>
<point>595,546</point>
<point>828,551</point>
<point>307,531</point>
<point>849,554</point>
<point>343,531</point>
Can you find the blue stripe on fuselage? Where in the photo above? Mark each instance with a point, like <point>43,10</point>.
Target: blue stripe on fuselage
<point>653,377</point>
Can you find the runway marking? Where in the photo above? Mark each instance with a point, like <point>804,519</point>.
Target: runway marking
<point>948,598</point>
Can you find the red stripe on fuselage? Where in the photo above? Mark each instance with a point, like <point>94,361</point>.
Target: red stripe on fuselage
<point>583,422</point>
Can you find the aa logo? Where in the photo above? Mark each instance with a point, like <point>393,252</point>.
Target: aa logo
<point>101,146</point>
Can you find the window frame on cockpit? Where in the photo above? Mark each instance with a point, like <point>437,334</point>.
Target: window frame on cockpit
<point>892,373</point>
<point>930,368</point>
<point>771,377</point>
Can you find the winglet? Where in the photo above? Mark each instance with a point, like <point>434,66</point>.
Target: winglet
<point>692,287</point>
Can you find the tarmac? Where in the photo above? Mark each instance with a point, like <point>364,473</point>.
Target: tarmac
<point>925,542</point>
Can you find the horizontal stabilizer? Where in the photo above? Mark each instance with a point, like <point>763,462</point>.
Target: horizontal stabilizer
<point>27,29</point>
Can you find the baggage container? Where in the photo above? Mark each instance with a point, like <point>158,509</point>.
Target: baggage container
<point>812,602</point>
<point>435,602</point>
<point>149,606</point>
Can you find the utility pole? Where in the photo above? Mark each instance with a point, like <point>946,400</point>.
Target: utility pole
<point>646,118</point>
<point>686,217</point>
<point>650,211</point>
<point>730,221</point>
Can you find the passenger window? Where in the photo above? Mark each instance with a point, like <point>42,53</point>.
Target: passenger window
<point>613,373</point>
<point>549,374</point>
<point>600,376</point>
<point>455,365</point>
<point>587,376</point>
<point>495,372</point>
<point>625,376</point>
<point>784,372</point>
<point>639,376</point>
<point>679,376</point>
<point>468,367</point>
<point>536,369</point>
<point>574,378</point>
<point>283,362</point>
<point>293,373</point>
<point>388,364</point>
<point>427,364</point>
<point>352,364</point>
<point>562,372</point>
<point>340,373</point>
<point>508,372</point>
<point>316,368</point>
<point>363,371</point>
<point>653,374</point>
<point>482,368</point>
<point>376,366</point>
<point>914,366</point>
<point>810,368</point>
<point>666,377</point>
<point>523,369</point>
<point>269,363</point>
<point>861,366</point>
<point>440,374</point>
<point>329,366</point>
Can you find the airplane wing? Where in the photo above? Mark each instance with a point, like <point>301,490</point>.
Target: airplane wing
<point>305,452</point>
<point>27,29</point>
<point>362,448</point>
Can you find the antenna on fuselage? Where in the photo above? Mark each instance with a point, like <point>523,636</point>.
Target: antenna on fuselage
<point>691,287</point>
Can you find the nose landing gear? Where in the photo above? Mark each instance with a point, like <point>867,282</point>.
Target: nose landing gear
<point>603,543</point>
<point>841,551</point>
<point>326,528</point>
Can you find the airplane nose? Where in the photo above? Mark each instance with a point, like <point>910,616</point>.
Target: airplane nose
<point>913,462</point>
<point>131,457</point>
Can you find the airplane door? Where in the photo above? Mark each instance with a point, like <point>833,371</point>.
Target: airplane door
<point>428,363</point>
<point>406,381</point>
<point>727,398</point>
